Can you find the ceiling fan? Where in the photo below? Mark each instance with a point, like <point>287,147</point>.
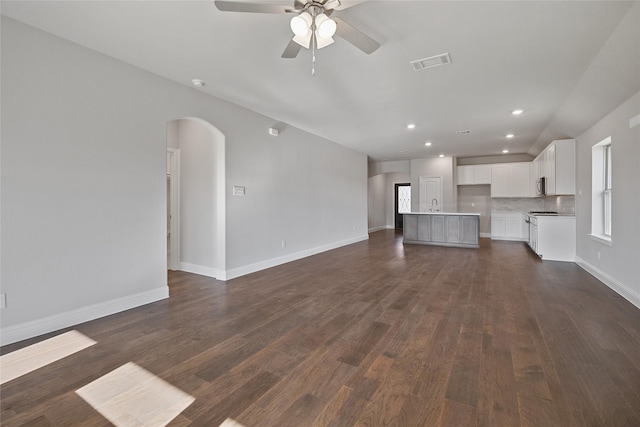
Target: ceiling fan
<point>312,26</point>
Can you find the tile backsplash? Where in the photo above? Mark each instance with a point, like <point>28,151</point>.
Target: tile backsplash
<point>560,204</point>
<point>517,204</point>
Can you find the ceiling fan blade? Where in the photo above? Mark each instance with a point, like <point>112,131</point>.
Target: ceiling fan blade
<point>356,37</point>
<point>292,49</point>
<point>346,4</point>
<point>236,6</point>
<point>331,4</point>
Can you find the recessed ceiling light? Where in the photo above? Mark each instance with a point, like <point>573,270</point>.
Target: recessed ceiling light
<point>441,155</point>
<point>198,82</point>
<point>517,112</point>
<point>510,135</point>
<point>427,144</point>
<point>411,126</point>
<point>505,151</point>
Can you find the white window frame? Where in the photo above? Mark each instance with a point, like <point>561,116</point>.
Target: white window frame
<point>601,191</point>
<point>607,191</point>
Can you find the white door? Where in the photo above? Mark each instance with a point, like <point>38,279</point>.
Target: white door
<point>430,194</point>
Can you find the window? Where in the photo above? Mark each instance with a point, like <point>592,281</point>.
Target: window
<point>607,190</point>
<point>601,188</point>
<point>404,198</point>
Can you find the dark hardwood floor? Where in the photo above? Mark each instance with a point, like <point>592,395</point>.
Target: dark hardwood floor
<point>372,334</point>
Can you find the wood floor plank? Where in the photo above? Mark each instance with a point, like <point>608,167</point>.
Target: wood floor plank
<point>455,414</point>
<point>358,349</point>
<point>375,333</point>
<point>235,403</point>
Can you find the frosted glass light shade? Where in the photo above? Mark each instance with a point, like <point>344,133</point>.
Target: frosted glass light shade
<point>300,24</point>
<point>323,41</point>
<point>304,41</point>
<point>326,27</point>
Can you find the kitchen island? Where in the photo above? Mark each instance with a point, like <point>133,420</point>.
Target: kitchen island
<point>442,229</point>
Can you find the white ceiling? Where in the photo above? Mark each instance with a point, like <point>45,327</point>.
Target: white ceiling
<point>533,55</point>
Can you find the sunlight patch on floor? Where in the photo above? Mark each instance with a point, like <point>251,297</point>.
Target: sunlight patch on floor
<point>230,423</point>
<point>28,359</point>
<point>132,396</point>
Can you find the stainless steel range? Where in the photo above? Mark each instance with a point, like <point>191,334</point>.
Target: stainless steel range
<point>542,213</point>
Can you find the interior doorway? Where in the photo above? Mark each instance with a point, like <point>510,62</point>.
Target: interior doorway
<point>173,209</point>
<point>402,197</point>
<point>197,228</point>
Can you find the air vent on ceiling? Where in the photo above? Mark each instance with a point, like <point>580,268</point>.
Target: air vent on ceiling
<point>431,62</point>
<point>463,132</point>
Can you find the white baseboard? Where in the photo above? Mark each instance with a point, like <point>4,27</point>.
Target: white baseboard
<point>273,262</point>
<point>380,228</point>
<point>31,329</point>
<point>512,239</point>
<point>629,294</point>
<point>202,270</point>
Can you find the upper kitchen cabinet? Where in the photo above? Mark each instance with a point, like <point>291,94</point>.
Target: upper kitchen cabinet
<point>510,180</point>
<point>557,163</point>
<point>474,174</point>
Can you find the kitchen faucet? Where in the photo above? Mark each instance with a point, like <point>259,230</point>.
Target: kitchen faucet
<point>434,204</point>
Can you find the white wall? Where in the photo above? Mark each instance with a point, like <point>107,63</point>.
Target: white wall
<point>443,167</point>
<point>476,199</point>
<point>619,264</point>
<point>382,199</point>
<point>84,184</point>
<point>399,166</point>
<point>376,203</point>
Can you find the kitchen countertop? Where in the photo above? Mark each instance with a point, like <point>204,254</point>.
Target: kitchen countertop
<point>553,216</point>
<point>442,213</point>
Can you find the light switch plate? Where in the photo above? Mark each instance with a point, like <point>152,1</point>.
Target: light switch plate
<point>3,300</point>
<point>238,190</point>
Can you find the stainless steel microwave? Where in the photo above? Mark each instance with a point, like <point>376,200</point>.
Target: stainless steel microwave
<point>541,186</point>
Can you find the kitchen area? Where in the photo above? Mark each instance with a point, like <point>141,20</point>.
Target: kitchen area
<point>528,201</point>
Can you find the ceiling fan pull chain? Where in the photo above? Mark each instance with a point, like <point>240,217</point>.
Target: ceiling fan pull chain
<point>313,53</point>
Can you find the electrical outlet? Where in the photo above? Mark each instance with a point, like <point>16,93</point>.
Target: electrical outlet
<point>3,300</point>
<point>284,244</point>
<point>598,255</point>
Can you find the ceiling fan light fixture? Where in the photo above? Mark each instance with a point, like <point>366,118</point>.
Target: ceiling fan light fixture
<point>304,41</point>
<point>332,4</point>
<point>300,24</point>
<point>326,27</point>
<point>323,41</point>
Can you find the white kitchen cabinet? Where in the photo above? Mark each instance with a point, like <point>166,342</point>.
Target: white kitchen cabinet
<point>474,174</point>
<point>507,226</point>
<point>557,163</point>
<point>500,181</point>
<point>553,238</point>
<point>465,175</point>
<point>550,169</point>
<point>482,174</point>
<point>510,180</point>
<point>534,174</point>
<point>498,227</point>
<point>519,179</point>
